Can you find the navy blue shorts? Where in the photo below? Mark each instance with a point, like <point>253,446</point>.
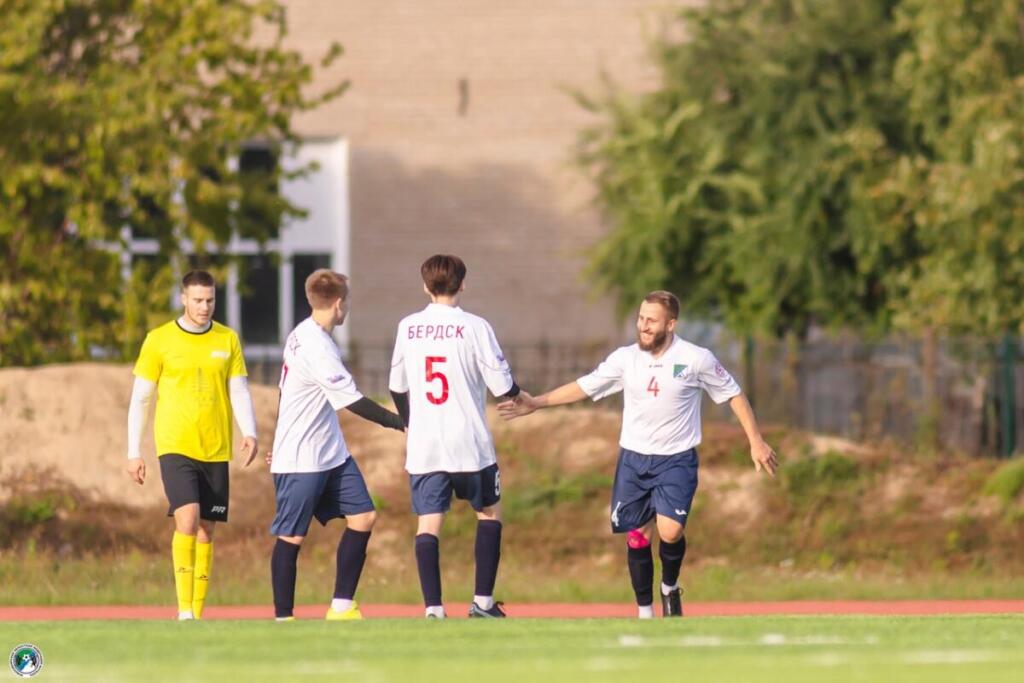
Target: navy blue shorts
<point>646,485</point>
<point>432,492</point>
<point>326,495</point>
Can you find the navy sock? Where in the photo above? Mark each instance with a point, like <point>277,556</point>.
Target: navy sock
<point>283,563</point>
<point>428,560</point>
<point>671,560</point>
<point>488,554</point>
<point>641,574</point>
<point>351,557</point>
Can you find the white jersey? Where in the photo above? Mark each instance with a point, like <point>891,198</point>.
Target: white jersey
<point>447,359</point>
<point>661,396</point>
<point>314,384</point>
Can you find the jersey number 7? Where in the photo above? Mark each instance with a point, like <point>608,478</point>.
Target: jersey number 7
<point>434,374</point>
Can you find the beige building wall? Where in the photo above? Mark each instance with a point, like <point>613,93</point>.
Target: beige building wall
<point>483,170</point>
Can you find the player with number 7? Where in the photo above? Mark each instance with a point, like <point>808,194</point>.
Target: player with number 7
<point>444,362</point>
<point>662,378</point>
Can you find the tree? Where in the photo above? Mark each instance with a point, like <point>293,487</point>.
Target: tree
<point>125,115</point>
<point>841,164</point>
<point>960,192</point>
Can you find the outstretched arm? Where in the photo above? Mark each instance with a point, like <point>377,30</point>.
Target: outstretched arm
<point>760,452</point>
<point>374,412</point>
<point>524,403</point>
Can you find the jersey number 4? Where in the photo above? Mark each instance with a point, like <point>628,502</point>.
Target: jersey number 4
<point>433,374</point>
<point>652,386</point>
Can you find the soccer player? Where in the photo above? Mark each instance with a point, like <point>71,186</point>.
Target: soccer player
<point>197,369</point>
<point>314,473</point>
<point>662,377</point>
<point>444,362</point>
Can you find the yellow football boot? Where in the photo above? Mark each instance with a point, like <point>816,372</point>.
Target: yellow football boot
<point>348,615</point>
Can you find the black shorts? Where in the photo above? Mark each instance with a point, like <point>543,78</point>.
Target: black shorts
<point>187,480</point>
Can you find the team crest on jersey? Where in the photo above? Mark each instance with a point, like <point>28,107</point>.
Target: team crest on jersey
<point>678,370</point>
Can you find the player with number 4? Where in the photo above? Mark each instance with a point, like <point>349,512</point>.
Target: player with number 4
<point>444,362</point>
<point>662,378</point>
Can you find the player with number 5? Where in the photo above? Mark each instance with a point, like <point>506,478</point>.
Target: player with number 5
<point>662,378</point>
<point>444,362</point>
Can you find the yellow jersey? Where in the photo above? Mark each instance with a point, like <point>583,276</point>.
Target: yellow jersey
<point>191,372</point>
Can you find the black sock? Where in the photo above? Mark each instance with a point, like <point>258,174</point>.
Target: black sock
<point>671,560</point>
<point>428,559</point>
<point>283,562</point>
<point>488,554</point>
<point>351,556</point>
<point>641,574</point>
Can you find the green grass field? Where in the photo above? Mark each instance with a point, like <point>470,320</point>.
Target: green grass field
<point>135,579</point>
<point>932,649</point>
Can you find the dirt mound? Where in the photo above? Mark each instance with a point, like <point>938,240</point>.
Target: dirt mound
<point>69,420</point>
<point>72,420</point>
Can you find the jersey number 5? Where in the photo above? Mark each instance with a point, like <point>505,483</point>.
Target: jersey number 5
<point>652,387</point>
<point>434,374</point>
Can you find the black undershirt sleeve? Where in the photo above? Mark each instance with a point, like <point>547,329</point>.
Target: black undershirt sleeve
<point>374,412</point>
<point>513,391</point>
<point>402,404</point>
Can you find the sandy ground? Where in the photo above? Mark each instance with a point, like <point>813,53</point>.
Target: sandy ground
<point>72,420</point>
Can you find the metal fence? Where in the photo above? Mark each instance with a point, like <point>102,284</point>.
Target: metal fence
<point>845,387</point>
<point>881,390</point>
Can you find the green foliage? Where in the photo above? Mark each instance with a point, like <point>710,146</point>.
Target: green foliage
<point>547,494</point>
<point>1006,482</point>
<point>846,164</point>
<point>813,477</point>
<point>30,511</point>
<point>125,115</point>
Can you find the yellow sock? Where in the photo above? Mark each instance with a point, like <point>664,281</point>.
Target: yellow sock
<point>204,563</point>
<point>183,552</point>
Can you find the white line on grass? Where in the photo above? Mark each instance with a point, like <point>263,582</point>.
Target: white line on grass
<point>768,639</point>
<point>782,639</point>
<point>952,656</point>
<point>827,659</point>
<point>702,641</point>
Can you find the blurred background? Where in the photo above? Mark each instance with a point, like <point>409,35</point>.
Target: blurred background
<point>835,191</point>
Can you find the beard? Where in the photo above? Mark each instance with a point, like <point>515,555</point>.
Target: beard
<point>656,343</point>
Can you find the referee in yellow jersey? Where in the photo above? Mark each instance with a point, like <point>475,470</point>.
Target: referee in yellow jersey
<point>197,369</point>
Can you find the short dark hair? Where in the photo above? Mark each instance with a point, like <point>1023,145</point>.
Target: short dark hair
<point>197,277</point>
<point>443,274</point>
<point>667,299</point>
<point>324,287</point>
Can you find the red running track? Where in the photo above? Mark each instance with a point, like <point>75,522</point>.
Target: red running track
<point>534,610</point>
